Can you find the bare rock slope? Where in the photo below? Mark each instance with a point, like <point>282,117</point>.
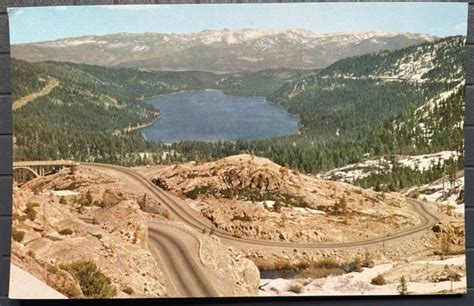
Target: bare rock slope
<point>254,197</point>
<point>71,224</point>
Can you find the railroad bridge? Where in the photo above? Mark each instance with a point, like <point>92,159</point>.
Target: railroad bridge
<point>24,171</point>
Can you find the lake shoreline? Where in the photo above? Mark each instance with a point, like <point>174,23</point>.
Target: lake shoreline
<point>156,117</point>
<point>213,116</point>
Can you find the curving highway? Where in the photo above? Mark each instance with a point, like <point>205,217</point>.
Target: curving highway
<point>179,260</point>
<point>176,251</point>
<point>181,211</point>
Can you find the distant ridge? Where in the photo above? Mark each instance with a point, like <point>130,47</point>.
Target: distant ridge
<point>217,50</point>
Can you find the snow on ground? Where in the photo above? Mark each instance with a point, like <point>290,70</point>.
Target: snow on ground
<point>352,172</point>
<point>363,169</point>
<point>459,260</point>
<point>426,161</point>
<point>441,191</point>
<point>460,209</point>
<point>269,204</point>
<point>64,193</point>
<point>23,285</point>
<point>410,69</point>
<point>308,210</point>
<point>139,48</point>
<point>425,109</point>
<point>359,283</point>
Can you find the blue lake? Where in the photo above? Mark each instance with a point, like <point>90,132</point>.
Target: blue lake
<point>212,116</point>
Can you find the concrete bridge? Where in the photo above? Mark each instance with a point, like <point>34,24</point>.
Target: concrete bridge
<point>24,171</point>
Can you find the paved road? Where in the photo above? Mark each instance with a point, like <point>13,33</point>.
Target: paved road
<point>179,259</point>
<point>181,211</point>
<point>178,255</point>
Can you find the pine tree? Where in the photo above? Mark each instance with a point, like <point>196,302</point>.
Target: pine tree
<point>402,287</point>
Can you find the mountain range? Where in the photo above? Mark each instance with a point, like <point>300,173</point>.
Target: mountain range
<point>218,51</point>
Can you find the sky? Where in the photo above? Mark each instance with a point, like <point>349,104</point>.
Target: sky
<point>34,24</point>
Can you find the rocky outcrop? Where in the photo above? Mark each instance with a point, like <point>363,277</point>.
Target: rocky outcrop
<point>240,275</point>
<point>65,218</point>
<point>94,223</point>
<point>253,197</point>
<point>126,221</point>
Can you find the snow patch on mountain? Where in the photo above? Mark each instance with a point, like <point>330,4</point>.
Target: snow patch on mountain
<point>140,48</point>
<point>287,48</point>
<point>446,191</point>
<point>351,173</point>
<point>424,110</point>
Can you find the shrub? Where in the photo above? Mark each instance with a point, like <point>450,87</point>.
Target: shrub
<point>315,273</point>
<point>368,260</point>
<point>196,191</point>
<point>295,287</point>
<point>32,204</point>
<point>379,280</point>
<point>340,206</point>
<point>98,236</point>
<point>160,183</point>
<point>326,263</point>
<point>89,198</point>
<point>446,243</point>
<point>93,283</point>
<point>73,169</point>
<point>280,264</point>
<point>100,204</point>
<point>323,268</point>
<point>30,213</point>
<point>357,264</point>
<point>18,235</point>
<point>402,287</point>
<point>65,232</point>
<point>128,290</point>
<point>72,186</point>
<point>16,216</point>
<point>143,201</point>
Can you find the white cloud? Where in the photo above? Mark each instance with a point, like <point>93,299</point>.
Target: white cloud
<point>130,7</point>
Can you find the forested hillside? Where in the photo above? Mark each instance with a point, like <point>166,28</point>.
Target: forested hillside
<point>87,116</point>
<point>75,120</point>
<point>360,92</point>
<point>27,79</point>
<point>436,126</point>
<point>380,107</point>
<point>442,61</point>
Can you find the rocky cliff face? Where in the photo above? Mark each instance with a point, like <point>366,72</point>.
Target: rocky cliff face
<point>254,197</point>
<point>68,221</point>
<point>63,226</point>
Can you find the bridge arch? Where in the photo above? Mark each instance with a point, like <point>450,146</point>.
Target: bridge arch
<point>23,174</point>
<point>24,171</point>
